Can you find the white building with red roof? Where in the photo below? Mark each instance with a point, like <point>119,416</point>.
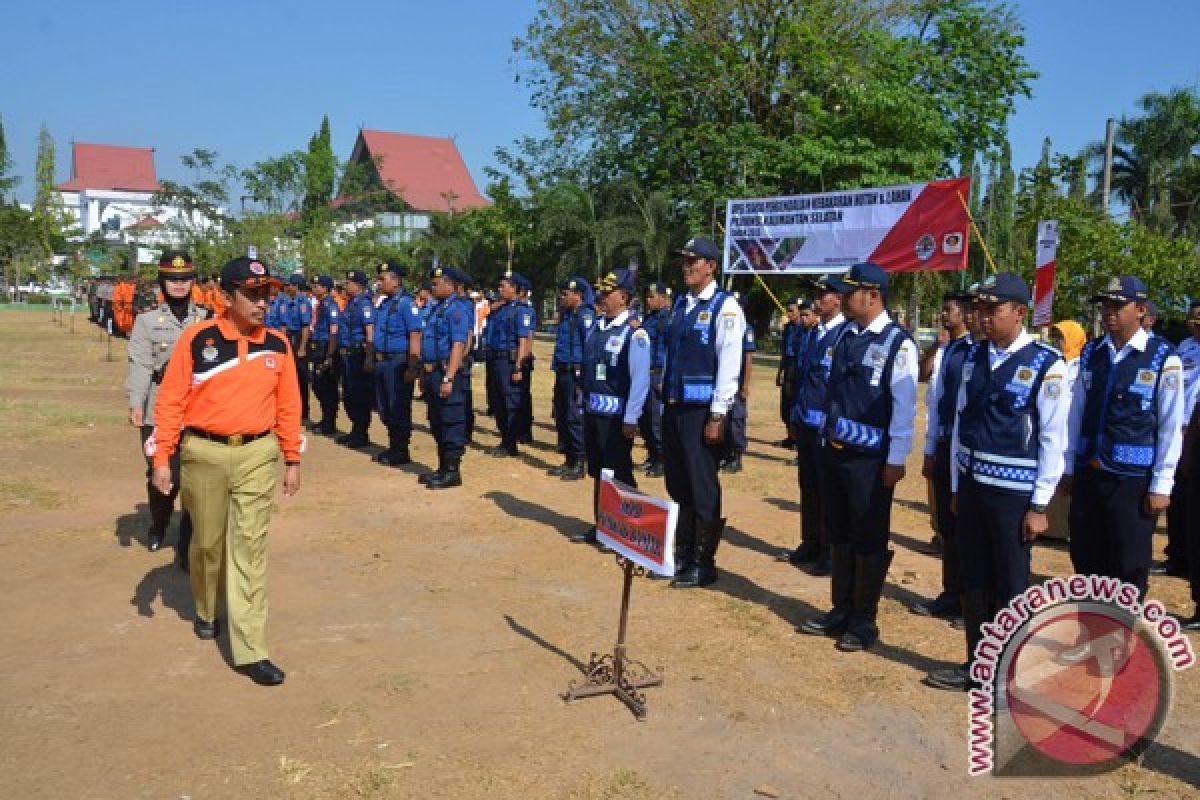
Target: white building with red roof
<point>112,190</point>
<point>426,174</point>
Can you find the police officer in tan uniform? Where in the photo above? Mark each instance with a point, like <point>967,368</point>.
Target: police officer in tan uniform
<point>150,346</point>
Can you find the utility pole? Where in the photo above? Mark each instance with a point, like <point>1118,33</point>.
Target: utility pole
<point>1106,183</point>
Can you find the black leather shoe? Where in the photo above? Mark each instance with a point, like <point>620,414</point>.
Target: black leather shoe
<point>264,673</point>
<point>944,606</point>
<point>1191,625</point>
<point>555,472</point>
<point>858,637</point>
<point>447,480</point>
<point>831,623</point>
<point>425,477</point>
<point>695,577</point>
<point>574,473</point>
<point>804,553</point>
<point>355,441</point>
<point>655,470</point>
<point>154,540</point>
<point>1170,568</point>
<point>342,438</point>
<point>824,566</point>
<point>206,630</point>
<point>501,451</point>
<point>954,679</point>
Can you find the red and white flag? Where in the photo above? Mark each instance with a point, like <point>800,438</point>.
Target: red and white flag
<point>1047,262</point>
<point>920,226</point>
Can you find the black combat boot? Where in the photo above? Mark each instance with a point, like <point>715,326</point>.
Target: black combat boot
<point>841,587</point>
<point>733,464</point>
<point>575,470</point>
<point>870,574</point>
<point>703,570</point>
<point>976,610</point>
<point>449,478</point>
<point>426,477</point>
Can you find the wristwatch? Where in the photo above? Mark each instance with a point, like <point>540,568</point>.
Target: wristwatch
<point>1037,508</point>
<point>447,379</point>
<point>715,417</point>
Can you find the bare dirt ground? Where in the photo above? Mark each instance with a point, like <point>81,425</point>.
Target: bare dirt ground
<point>427,635</point>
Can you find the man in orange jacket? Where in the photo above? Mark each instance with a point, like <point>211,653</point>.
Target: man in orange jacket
<point>230,402</point>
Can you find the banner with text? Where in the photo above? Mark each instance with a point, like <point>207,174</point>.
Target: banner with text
<point>1047,264</point>
<point>921,226</point>
<point>637,526</point>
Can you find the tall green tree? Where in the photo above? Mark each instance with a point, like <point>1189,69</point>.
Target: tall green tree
<point>8,182</point>
<point>49,217</point>
<point>320,172</point>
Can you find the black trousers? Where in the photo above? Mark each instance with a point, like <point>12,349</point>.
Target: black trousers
<point>568,412</point>
<point>689,464</point>
<point>786,394</point>
<point>856,505</point>
<point>1111,534</point>
<point>1179,517</point>
<point>524,419</point>
<point>947,526</point>
<point>325,381</point>
<point>607,448</point>
<point>650,423</point>
<point>808,469</point>
<point>1192,534</point>
<point>507,397</point>
<point>163,505</point>
<point>301,370</point>
<point>735,431</point>
<point>358,390</point>
<point>990,533</point>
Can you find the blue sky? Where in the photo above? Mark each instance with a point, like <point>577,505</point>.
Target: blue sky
<point>252,79</point>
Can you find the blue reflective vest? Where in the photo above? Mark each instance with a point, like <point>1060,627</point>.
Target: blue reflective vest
<point>606,381</point>
<point>814,360</point>
<point>953,358</point>
<point>859,396</point>
<point>998,427</point>
<point>690,373</point>
<point>655,325</point>
<point>1119,432</point>
<point>359,313</point>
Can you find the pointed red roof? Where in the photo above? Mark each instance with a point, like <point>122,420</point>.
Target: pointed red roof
<point>426,172</point>
<point>104,166</point>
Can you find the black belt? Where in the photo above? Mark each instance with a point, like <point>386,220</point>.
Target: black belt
<point>390,356</point>
<point>233,439</point>
<point>568,367</point>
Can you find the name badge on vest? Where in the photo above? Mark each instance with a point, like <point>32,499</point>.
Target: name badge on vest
<point>1143,384</point>
<point>1086,377</point>
<point>967,371</point>
<point>827,359</point>
<point>703,320</point>
<point>875,357</point>
<point>601,371</point>
<point>1145,377</point>
<point>614,344</point>
<point>1022,381</point>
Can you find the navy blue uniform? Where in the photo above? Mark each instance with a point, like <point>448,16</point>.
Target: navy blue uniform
<point>736,440</point>
<point>526,325</point>
<point>358,393</point>
<point>1126,419</point>
<point>567,364</point>
<point>503,331</point>
<point>296,316</point>
<point>655,325</point>
<point>814,357</point>
<point>468,366</point>
<point>325,364</point>
<point>273,319</point>
<point>449,323</point>
<point>396,318</point>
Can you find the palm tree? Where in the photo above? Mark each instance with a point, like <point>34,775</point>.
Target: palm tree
<point>1154,156</point>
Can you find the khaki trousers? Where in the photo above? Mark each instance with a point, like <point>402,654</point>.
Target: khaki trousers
<point>229,491</point>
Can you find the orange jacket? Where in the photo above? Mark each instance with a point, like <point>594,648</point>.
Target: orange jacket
<point>222,382</point>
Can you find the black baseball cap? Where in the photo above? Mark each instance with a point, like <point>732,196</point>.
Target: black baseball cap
<point>660,287</point>
<point>325,280</point>
<point>248,272</point>
<point>394,267</point>
<point>358,276</point>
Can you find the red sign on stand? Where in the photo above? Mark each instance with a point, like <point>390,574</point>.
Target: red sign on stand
<point>636,525</point>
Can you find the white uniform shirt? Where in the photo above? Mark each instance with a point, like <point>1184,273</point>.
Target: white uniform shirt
<point>1171,406</point>
<point>1053,405</point>
<point>1189,354</point>
<point>903,389</point>
<point>639,365</point>
<point>731,329</point>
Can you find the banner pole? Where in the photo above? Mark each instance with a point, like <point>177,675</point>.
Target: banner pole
<point>970,218</point>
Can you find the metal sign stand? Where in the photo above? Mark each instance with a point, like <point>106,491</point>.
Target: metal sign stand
<point>615,673</point>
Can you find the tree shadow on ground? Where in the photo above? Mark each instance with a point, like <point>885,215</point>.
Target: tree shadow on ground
<point>524,509</point>
<point>783,504</point>
<point>913,505</point>
<point>522,631</point>
<point>169,583</point>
